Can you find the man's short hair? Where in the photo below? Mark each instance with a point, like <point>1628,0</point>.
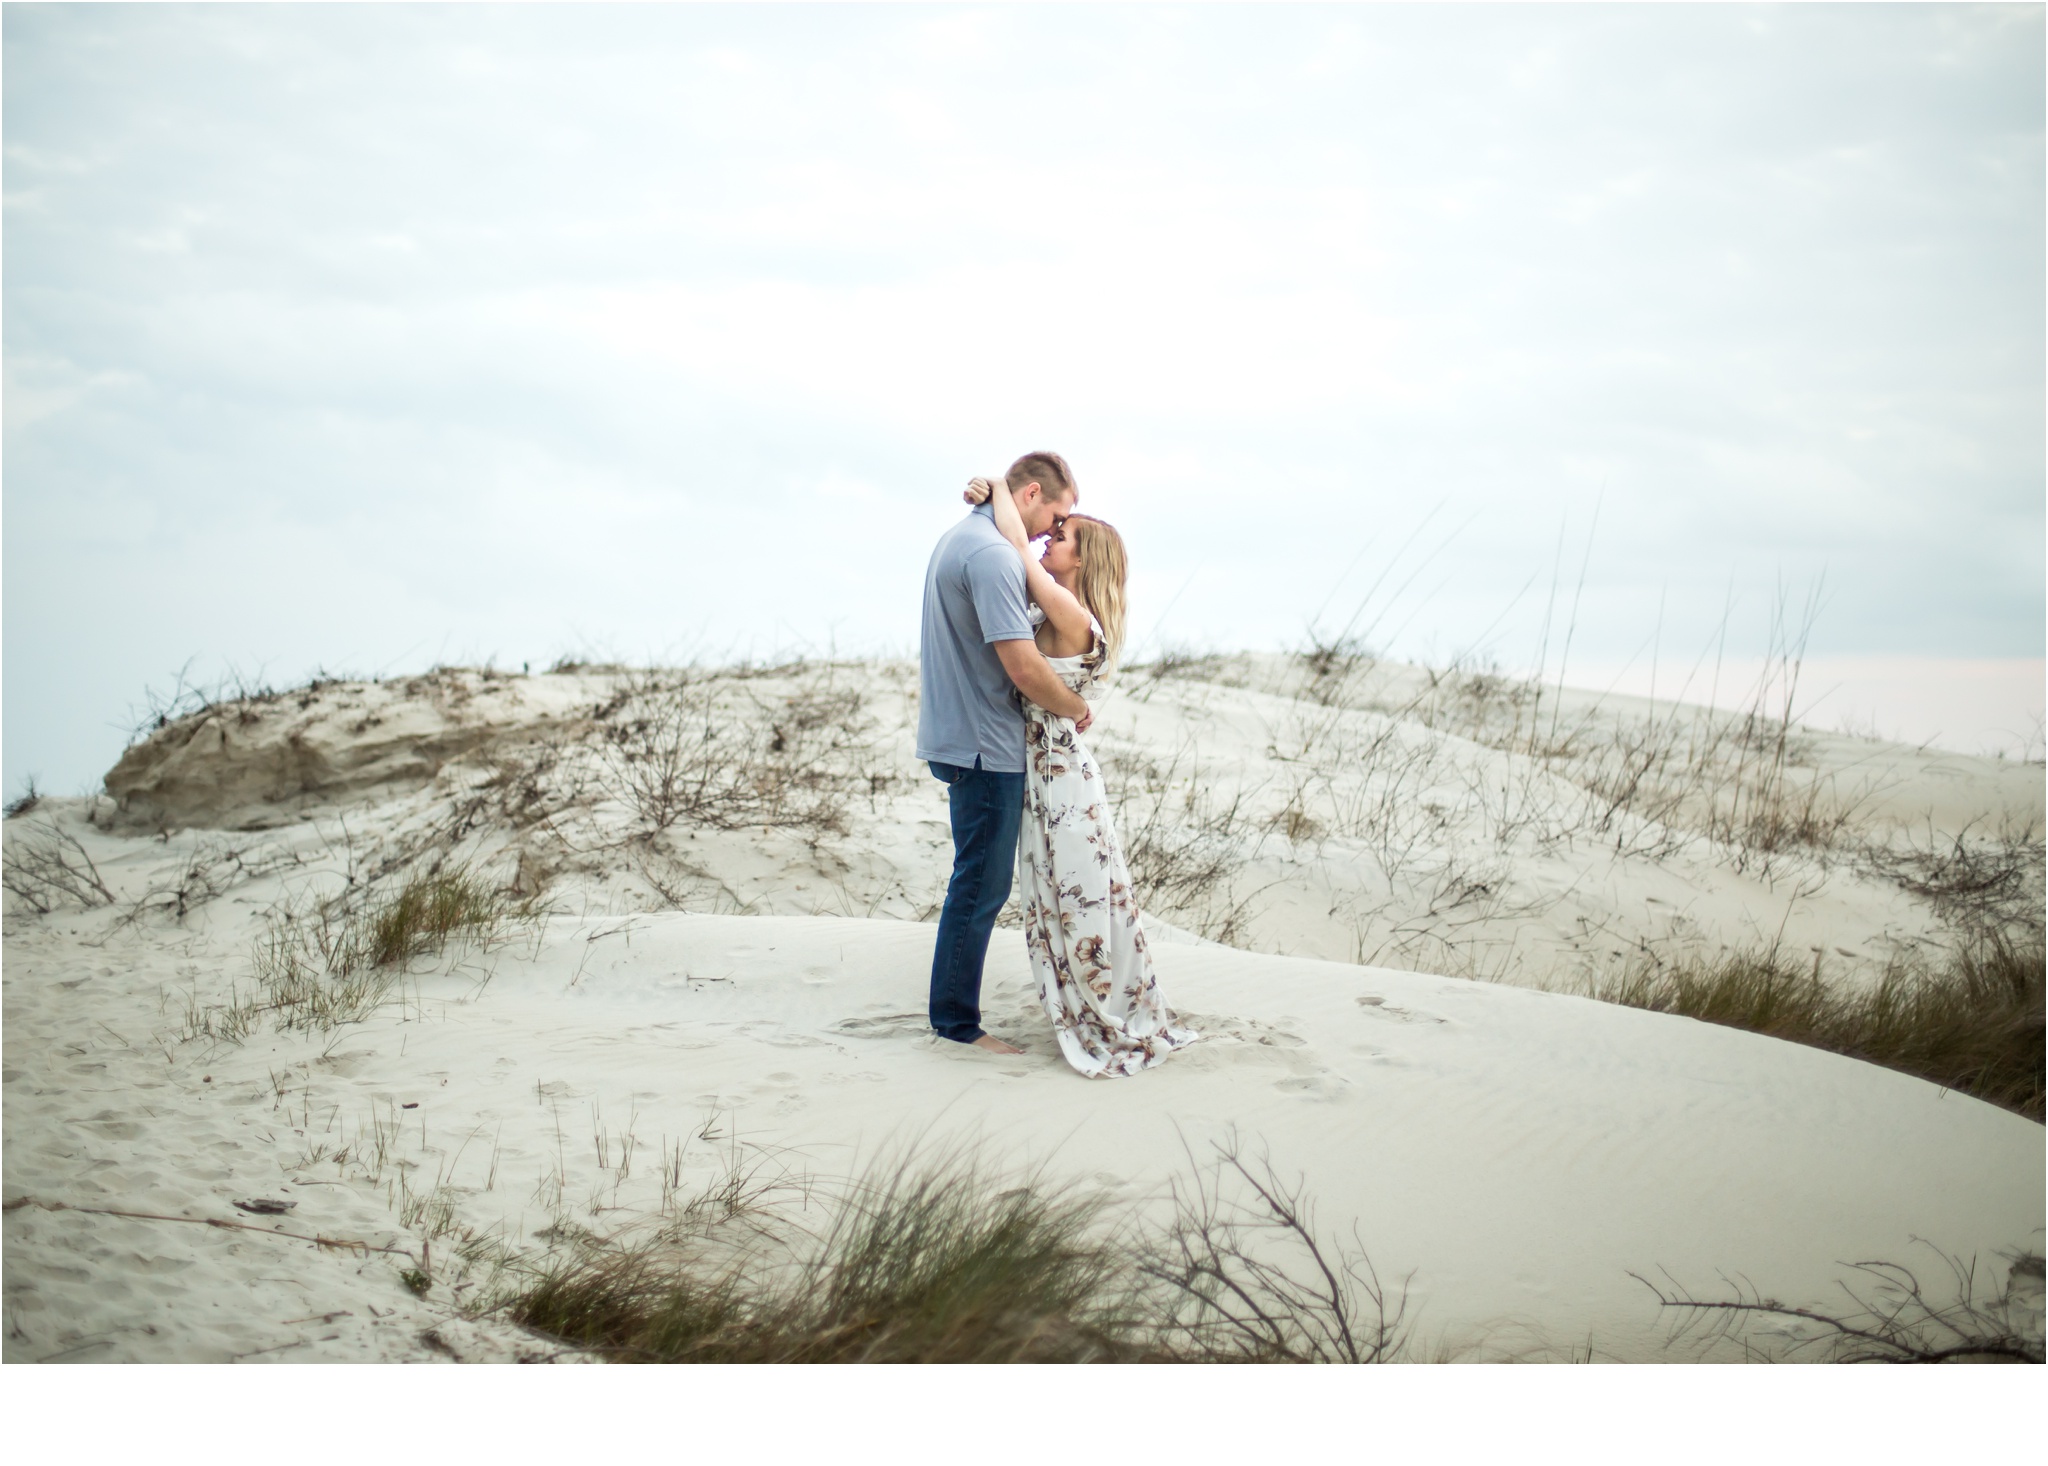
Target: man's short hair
<point>1048,470</point>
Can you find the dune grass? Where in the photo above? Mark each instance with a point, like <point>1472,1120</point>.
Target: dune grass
<point>951,1261</point>
<point>1972,1022</point>
<point>427,913</point>
<point>321,967</point>
<point>922,1266</point>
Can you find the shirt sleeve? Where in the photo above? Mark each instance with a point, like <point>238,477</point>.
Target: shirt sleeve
<point>995,580</point>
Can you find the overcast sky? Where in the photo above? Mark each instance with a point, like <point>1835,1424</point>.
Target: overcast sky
<point>360,338</point>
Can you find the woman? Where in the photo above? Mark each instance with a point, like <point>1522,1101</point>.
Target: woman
<point>1080,915</point>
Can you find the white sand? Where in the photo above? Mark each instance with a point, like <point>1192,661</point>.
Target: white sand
<point>1515,1153</point>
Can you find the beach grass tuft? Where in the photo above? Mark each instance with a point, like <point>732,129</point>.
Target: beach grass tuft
<point>1972,1021</point>
<point>914,1264</point>
<point>322,970</point>
<point>427,913</point>
<point>324,966</point>
<point>953,1261</point>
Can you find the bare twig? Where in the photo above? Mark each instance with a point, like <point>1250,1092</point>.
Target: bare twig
<point>338,1244</point>
<point>1892,1320</point>
<point>46,866</point>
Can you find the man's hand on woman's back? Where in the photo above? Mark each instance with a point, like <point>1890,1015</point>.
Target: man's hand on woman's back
<point>1029,671</point>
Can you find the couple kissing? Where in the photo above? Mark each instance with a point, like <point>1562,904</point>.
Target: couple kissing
<point>1012,643</point>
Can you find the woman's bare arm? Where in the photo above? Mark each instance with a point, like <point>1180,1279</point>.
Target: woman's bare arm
<point>1008,520</point>
<point>1068,616</point>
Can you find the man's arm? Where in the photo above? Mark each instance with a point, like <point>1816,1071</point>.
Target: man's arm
<point>1037,681</point>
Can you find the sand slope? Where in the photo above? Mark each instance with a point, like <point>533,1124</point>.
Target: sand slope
<point>1384,815</point>
<point>748,981</point>
<point>1518,1153</point>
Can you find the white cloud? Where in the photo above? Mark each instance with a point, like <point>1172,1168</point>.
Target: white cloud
<point>331,331</point>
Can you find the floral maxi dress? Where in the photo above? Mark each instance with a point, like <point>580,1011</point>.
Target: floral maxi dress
<point>1080,915</point>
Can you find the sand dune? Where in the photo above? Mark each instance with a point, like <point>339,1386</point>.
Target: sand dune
<point>750,973</point>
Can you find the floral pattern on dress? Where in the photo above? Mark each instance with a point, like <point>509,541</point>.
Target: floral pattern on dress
<point>1081,919</point>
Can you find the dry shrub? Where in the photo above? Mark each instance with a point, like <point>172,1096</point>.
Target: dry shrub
<point>23,802</point>
<point>1334,665</point>
<point>188,699</point>
<point>1891,1320</point>
<point>1971,1021</point>
<point>1185,844</point>
<point>1374,780</point>
<point>1242,1276</point>
<point>1169,664</point>
<point>1650,782</point>
<point>710,749</point>
<point>212,869</point>
<point>1978,884</point>
<point>45,867</point>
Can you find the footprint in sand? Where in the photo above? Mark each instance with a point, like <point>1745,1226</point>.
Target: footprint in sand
<point>1322,1086</point>
<point>1238,1041</point>
<point>886,1025</point>
<point>784,1039</point>
<point>1242,1031</point>
<point>1375,1006</point>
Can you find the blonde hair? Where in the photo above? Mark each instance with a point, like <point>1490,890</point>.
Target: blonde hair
<point>1099,581</point>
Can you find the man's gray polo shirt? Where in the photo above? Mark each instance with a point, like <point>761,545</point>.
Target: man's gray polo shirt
<point>973,597</point>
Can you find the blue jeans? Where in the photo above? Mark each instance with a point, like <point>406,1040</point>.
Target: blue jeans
<point>987,807</point>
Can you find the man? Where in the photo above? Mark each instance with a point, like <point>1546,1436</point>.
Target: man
<point>976,647</point>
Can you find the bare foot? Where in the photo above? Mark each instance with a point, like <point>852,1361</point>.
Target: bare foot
<point>995,1045</point>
